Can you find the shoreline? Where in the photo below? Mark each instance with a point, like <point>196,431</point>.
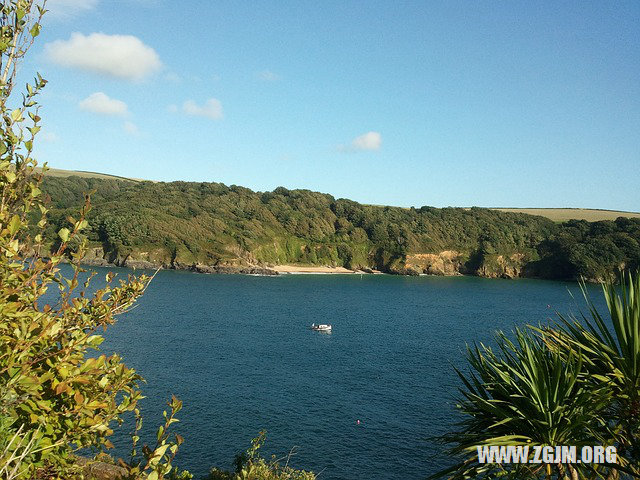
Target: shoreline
<point>262,270</point>
<point>306,270</point>
<point>284,270</point>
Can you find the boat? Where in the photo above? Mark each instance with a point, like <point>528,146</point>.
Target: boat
<point>322,327</point>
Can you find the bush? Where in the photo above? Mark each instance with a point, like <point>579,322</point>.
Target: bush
<point>53,399</point>
<point>251,466</point>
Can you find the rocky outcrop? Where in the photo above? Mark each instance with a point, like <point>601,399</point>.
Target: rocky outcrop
<point>502,266</point>
<point>448,262</point>
<point>96,470</point>
<point>451,262</point>
<point>97,257</point>
<point>230,269</point>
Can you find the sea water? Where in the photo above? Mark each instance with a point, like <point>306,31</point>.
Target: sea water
<point>363,402</point>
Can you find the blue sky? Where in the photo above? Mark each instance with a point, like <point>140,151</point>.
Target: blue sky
<point>481,103</point>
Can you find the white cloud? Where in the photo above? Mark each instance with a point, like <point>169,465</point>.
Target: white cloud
<point>212,109</point>
<point>131,128</point>
<point>366,141</point>
<point>120,56</point>
<point>102,104</point>
<point>268,76</point>
<point>69,8</point>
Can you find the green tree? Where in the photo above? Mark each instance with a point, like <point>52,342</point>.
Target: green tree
<point>53,398</point>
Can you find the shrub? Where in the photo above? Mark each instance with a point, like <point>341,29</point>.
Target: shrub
<point>53,399</point>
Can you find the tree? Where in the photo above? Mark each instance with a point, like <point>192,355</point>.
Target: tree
<point>53,399</point>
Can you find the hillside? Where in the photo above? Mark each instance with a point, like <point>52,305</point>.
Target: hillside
<point>212,227</point>
<point>555,214</point>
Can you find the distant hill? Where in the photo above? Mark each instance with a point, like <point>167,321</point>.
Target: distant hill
<point>213,227</point>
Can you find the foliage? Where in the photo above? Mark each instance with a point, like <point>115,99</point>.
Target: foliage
<point>613,352</point>
<point>15,451</point>
<point>158,461</point>
<point>573,383</point>
<point>179,224</point>
<point>184,223</point>
<point>51,394</point>
<point>251,466</point>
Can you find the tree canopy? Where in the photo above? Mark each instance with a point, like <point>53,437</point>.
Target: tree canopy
<point>178,224</point>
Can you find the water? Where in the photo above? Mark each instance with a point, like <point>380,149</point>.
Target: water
<point>238,351</point>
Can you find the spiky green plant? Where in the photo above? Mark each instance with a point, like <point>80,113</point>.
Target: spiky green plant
<point>612,351</point>
<point>525,394</point>
<point>576,382</point>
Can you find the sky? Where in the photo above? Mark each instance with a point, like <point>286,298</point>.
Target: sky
<point>408,103</point>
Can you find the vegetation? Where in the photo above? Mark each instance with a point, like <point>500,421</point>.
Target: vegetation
<point>182,224</point>
<point>575,383</point>
<point>55,399</point>
<point>251,466</point>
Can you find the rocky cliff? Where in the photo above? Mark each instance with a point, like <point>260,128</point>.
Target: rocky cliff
<point>445,263</point>
<point>451,262</point>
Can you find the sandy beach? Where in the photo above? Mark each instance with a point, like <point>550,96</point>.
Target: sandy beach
<point>309,269</point>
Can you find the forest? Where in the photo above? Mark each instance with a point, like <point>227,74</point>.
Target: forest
<point>220,228</point>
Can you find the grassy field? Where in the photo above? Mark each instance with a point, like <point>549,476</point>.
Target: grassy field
<point>564,214</point>
<point>56,172</point>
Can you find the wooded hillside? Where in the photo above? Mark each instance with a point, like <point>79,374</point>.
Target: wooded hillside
<point>186,224</point>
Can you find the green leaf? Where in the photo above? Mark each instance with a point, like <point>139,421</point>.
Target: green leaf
<point>14,225</point>
<point>64,234</point>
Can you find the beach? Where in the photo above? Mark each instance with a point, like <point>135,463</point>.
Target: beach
<point>298,269</point>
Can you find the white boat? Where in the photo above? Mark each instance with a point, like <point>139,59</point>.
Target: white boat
<point>322,327</point>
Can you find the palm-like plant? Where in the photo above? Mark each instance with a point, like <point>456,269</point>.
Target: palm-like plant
<point>575,383</point>
<point>612,353</point>
<point>529,395</point>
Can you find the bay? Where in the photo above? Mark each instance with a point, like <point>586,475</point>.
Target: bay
<point>239,352</point>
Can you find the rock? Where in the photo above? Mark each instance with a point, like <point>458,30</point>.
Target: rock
<point>140,264</point>
<point>94,469</point>
<point>447,262</point>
